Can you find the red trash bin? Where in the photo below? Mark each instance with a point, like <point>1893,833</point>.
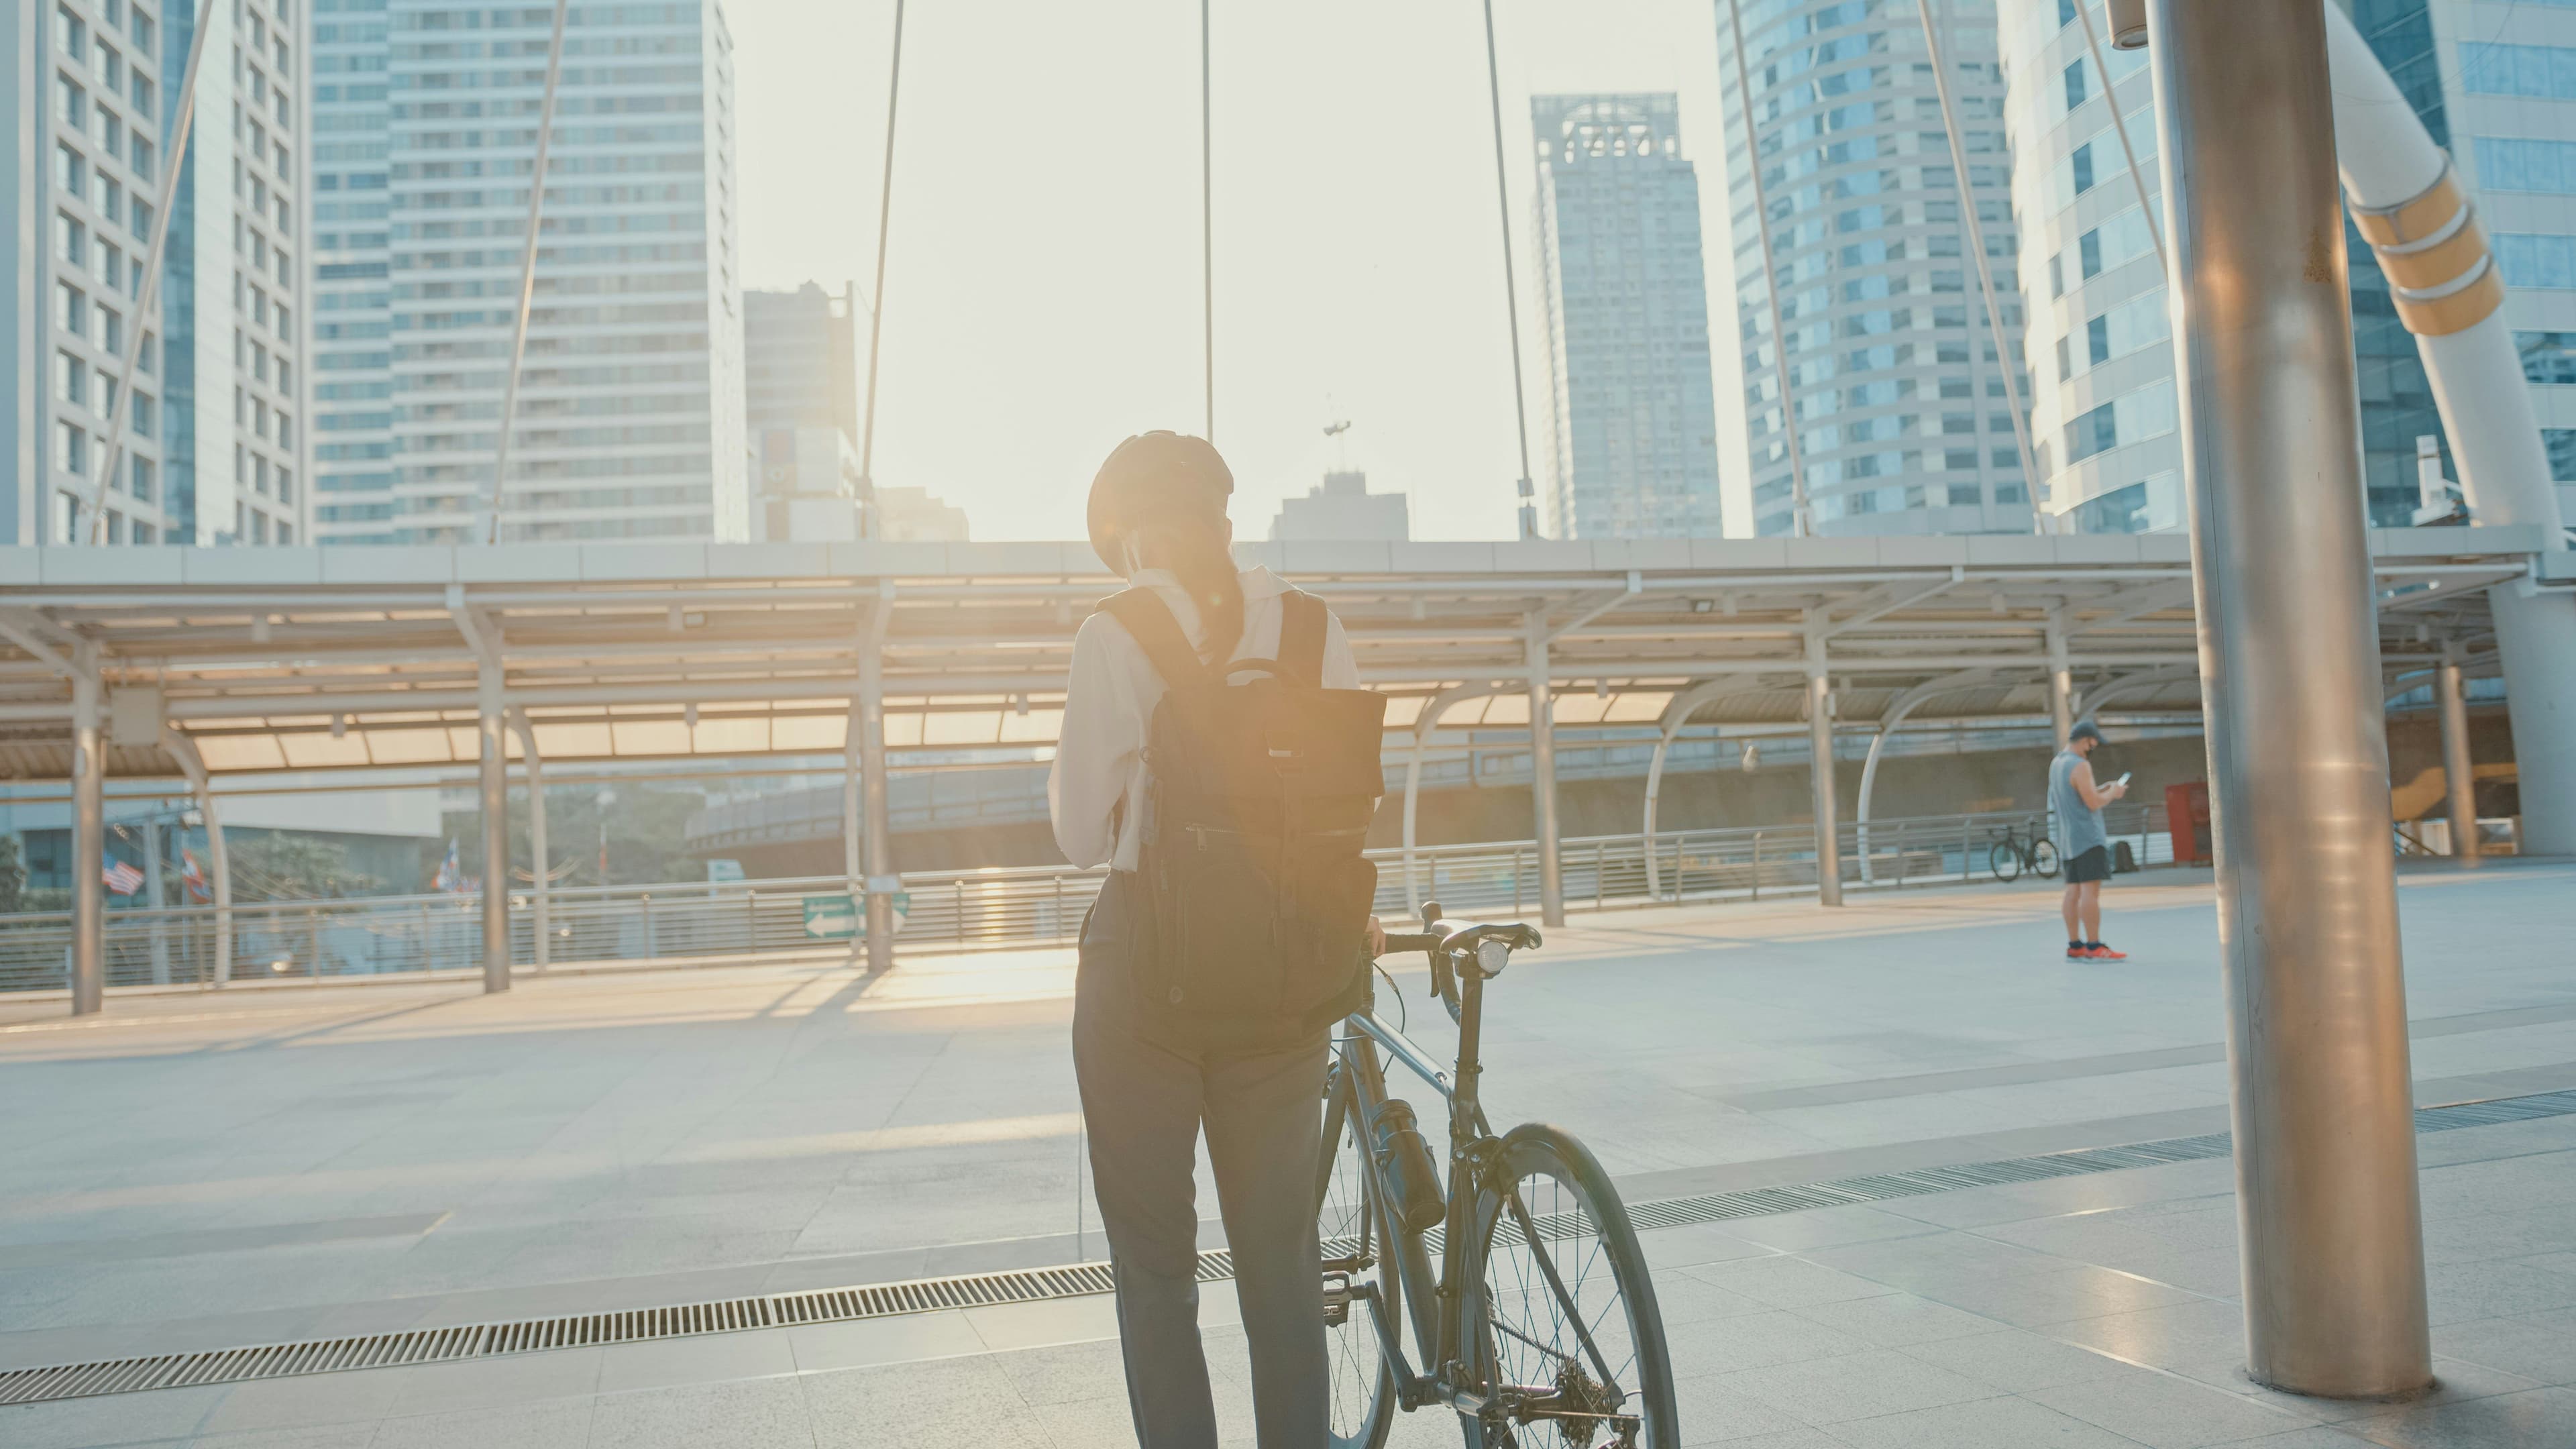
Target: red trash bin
<point>2187,817</point>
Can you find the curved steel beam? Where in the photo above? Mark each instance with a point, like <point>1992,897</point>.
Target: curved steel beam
<point>1423,725</point>
<point>1677,714</point>
<point>1888,719</point>
<point>219,863</point>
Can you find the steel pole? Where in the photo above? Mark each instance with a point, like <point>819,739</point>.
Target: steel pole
<point>2289,657</point>
<point>527,270</point>
<point>89,844</point>
<point>1802,520</point>
<point>881,881</point>
<point>1542,711</point>
<point>885,227</point>
<point>495,800</point>
<point>2459,784</point>
<point>1820,750</point>
<point>541,886</point>
<point>1511,285</point>
<point>152,894</point>
<point>2061,686</point>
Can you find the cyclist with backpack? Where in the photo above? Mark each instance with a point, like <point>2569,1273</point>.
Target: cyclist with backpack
<point>1219,755</point>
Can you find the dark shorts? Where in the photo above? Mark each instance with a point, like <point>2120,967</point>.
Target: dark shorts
<point>2092,865</point>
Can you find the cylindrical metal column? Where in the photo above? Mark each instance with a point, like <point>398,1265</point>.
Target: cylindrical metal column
<point>875,828</point>
<point>1542,711</point>
<point>154,903</point>
<point>219,871</point>
<point>540,888</point>
<point>495,800</point>
<point>2458,781</point>
<point>2061,686</point>
<point>1820,754</point>
<point>89,847</point>
<point>2289,658</point>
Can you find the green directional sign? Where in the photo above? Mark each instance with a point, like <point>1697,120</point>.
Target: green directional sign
<point>839,918</point>
<point>831,918</point>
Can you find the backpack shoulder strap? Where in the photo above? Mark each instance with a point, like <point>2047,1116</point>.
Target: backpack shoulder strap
<point>1148,620</point>
<point>1301,638</point>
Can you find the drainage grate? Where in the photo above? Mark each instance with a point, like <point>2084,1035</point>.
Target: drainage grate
<point>1030,1285</point>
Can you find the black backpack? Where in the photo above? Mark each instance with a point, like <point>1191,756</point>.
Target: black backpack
<point>1259,796</point>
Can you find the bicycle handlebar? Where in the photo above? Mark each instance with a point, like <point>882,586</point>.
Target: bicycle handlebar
<point>1411,941</point>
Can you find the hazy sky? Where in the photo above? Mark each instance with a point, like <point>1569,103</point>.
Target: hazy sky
<point>1044,280</point>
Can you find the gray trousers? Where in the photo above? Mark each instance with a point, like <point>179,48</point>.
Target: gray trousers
<point>1145,1102</point>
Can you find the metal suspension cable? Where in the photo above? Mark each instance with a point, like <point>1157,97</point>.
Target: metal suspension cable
<point>876,310</point>
<point>1985,270</point>
<point>527,270</point>
<point>1511,288</point>
<point>1207,218</point>
<point>2120,124</point>
<point>1802,520</point>
<point>113,454</point>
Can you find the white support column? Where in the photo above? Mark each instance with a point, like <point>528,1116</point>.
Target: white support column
<point>2061,686</point>
<point>2459,783</point>
<point>152,894</point>
<point>219,863</point>
<point>1820,746</point>
<point>89,839</point>
<point>541,887</point>
<point>1542,699</point>
<point>876,833</point>
<point>494,797</point>
<point>2321,1090</point>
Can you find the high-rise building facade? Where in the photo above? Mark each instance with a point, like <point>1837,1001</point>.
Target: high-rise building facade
<point>2104,411</point>
<point>1902,404</point>
<point>629,421</point>
<point>352,359</point>
<point>800,359</point>
<point>1632,415</point>
<point>213,436</point>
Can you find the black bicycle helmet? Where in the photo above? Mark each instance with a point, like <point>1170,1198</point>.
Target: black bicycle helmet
<point>1150,474</point>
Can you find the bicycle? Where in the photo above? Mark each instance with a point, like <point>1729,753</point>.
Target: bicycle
<point>2011,855</point>
<point>1540,1326</point>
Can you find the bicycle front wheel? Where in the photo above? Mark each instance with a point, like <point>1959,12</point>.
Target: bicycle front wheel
<point>2043,858</point>
<point>2005,861</point>
<point>1358,1256</point>
<point>1560,1311</point>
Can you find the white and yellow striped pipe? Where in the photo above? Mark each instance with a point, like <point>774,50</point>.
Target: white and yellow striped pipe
<point>2440,271</point>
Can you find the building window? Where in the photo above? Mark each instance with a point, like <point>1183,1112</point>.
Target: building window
<point>2547,356</point>
<point>2075,85</point>
<point>71,379</point>
<point>2537,261</point>
<point>71,240</point>
<point>2545,72</point>
<point>2561,443</point>
<point>71,448</point>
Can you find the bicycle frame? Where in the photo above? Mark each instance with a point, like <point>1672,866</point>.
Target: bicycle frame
<point>1437,1303</point>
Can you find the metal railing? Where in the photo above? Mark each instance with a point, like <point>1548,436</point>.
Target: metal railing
<point>404,936</point>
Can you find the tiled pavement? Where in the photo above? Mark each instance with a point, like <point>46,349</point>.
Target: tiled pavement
<point>2072,1312</point>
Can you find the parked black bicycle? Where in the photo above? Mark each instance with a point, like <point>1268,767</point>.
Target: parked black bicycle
<point>1539,1327</point>
<point>2012,854</point>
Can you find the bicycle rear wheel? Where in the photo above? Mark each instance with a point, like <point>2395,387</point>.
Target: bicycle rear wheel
<point>2043,858</point>
<point>1560,1310</point>
<point>1357,1256</point>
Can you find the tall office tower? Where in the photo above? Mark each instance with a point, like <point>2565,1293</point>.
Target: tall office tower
<point>213,436</point>
<point>630,408</point>
<point>1903,408</point>
<point>800,359</point>
<point>801,410</point>
<point>1632,418</point>
<point>352,358</point>
<point>2104,410</point>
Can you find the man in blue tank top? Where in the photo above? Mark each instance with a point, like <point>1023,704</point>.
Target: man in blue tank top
<point>2082,842</point>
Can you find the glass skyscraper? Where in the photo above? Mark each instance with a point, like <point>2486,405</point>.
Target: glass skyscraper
<point>630,410</point>
<point>1902,405</point>
<point>1632,415</point>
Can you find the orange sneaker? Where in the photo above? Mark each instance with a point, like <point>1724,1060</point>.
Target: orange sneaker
<point>2099,952</point>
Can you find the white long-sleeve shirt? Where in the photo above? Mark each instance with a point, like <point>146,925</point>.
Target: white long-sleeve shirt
<point>1096,792</point>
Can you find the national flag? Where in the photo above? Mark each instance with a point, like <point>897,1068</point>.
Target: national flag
<point>193,876</point>
<point>121,878</point>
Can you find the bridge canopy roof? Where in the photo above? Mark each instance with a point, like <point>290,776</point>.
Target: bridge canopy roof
<point>279,659</point>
